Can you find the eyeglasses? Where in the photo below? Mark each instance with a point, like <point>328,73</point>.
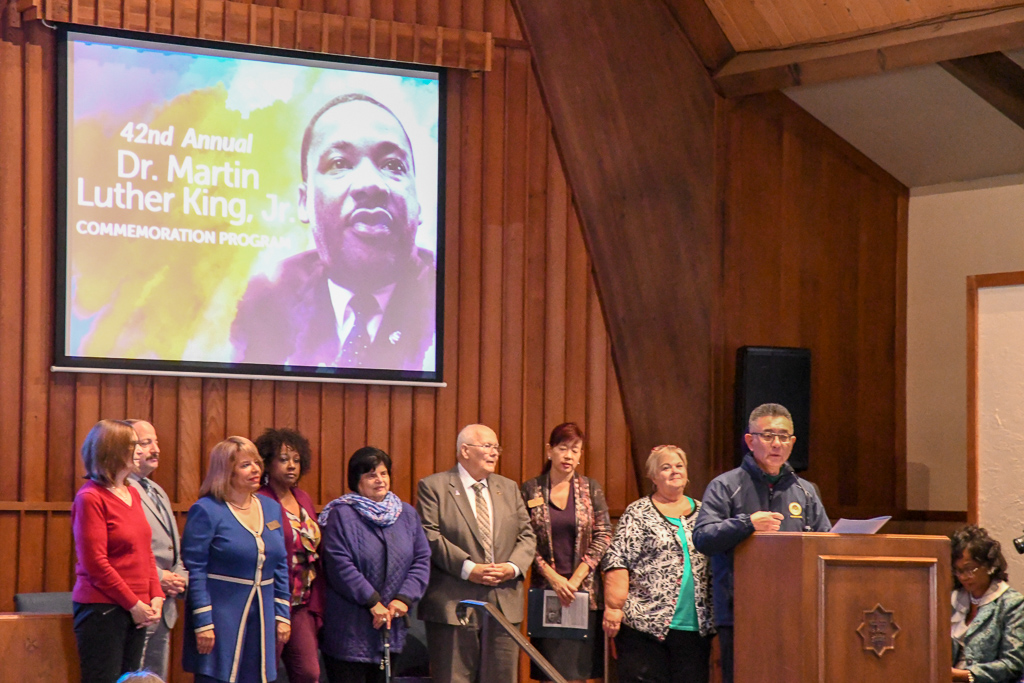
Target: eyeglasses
<point>769,437</point>
<point>966,573</point>
<point>487,447</point>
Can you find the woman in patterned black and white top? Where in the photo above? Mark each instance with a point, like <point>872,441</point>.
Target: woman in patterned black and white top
<point>657,586</point>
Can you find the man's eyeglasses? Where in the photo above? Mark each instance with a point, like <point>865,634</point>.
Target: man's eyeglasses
<point>487,447</point>
<point>769,437</point>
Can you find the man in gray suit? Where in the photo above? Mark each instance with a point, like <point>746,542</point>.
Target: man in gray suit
<point>481,544</point>
<point>166,547</point>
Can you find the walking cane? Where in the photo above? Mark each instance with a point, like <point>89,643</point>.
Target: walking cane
<point>386,662</point>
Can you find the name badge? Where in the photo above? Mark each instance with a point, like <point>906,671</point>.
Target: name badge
<point>273,525</point>
<point>535,502</point>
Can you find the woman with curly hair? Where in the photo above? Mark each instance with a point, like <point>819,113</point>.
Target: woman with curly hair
<point>988,616</point>
<point>286,457</point>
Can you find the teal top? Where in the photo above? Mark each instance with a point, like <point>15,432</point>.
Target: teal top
<point>685,616</point>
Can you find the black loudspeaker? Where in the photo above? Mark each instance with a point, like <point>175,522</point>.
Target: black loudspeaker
<point>774,374</point>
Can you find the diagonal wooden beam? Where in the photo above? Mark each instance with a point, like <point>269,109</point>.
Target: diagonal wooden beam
<point>703,31</point>
<point>995,78</point>
<point>754,72</point>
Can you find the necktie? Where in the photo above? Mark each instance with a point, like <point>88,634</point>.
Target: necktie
<point>353,352</point>
<point>483,520</point>
<point>147,486</point>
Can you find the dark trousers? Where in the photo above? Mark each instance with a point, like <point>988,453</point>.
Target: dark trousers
<point>108,642</point>
<point>725,634</point>
<point>455,654</point>
<point>681,658</point>
<point>340,671</point>
<point>301,656</point>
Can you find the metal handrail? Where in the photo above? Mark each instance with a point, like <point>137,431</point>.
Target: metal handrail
<point>490,615</point>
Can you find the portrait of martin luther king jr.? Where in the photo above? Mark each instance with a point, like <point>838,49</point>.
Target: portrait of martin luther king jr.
<point>365,296</point>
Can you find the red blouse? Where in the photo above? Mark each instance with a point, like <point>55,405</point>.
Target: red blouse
<point>113,545</point>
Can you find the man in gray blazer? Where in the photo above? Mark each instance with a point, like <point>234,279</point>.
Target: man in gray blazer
<point>481,544</point>
<point>166,547</point>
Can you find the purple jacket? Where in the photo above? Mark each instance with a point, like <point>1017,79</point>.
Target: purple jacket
<point>365,564</point>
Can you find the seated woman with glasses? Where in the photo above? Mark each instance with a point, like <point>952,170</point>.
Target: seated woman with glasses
<point>988,616</point>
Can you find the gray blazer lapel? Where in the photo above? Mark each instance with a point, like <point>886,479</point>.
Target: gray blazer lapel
<point>459,495</point>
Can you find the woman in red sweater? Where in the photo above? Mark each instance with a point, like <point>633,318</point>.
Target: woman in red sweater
<point>117,591</point>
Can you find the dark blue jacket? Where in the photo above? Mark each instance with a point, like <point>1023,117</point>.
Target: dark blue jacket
<point>724,519</point>
<point>365,564</point>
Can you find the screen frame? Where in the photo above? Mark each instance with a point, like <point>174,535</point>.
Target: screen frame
<point>129,366</point>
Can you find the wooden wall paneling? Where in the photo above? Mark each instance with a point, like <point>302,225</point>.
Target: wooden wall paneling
<point>450,13</point>
<point>61,452</point>
<point>470,258</point>
<point>285,405</point>
<point>113,397</point>
<point>473,13</point>
<point>378,428</point>
<point>308,420</point>
<point>59,555</point>
<point>138,398</point>
<point>406,11</point>
<point>8,570</point>
<point>577,281</point>
<point>136,16</point>
<point>236,406</point>
<point>491,276</point>
<point>595,453</point>
<point>12,280</point>
<point>558,209</point>
<point>428,13</point>
<point>900,351</point>
<point>877,345</point>
<point>161,16</point>
<point>38,256</point>
<point>165,421</point>
<point>213,416</point>
<point>534,246</point>
<point>495,16</point>
<point>354,434</point>
<point>261,412</point>
<point>446,400</point>
<point>422,446</point>
<point>617,452</point>
<point>400,441</point>
<point>332,455</point>
<point>517,74</point>
<point>811,249</point>
<point>192,456</point>
<point>31,551</point>
<point>382,9</point>
<point>86,415</point>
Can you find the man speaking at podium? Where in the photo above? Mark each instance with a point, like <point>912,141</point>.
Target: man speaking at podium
<point>762,494</point>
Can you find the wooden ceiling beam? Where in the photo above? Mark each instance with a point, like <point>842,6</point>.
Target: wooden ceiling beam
<point>754,72</point>
<point>703,31</point>
<point>995,78</point>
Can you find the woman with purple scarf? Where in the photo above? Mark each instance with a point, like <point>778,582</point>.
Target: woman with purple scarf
<point>377,563</point>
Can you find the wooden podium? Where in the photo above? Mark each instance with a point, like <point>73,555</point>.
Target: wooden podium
<point>831,608</point>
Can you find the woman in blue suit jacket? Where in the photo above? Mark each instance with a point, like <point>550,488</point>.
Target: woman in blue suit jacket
<point>377,564</point>
<point>238,595</point>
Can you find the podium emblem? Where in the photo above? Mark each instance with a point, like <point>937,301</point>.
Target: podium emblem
<point>878,630</point>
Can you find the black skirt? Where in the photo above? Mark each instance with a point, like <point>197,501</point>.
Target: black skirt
<point>574,659</point>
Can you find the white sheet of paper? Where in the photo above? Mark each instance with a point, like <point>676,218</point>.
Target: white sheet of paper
<point>573,616</point>
<point>860,526</point>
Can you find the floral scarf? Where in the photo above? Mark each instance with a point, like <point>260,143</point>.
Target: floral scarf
<point>383,514</point>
